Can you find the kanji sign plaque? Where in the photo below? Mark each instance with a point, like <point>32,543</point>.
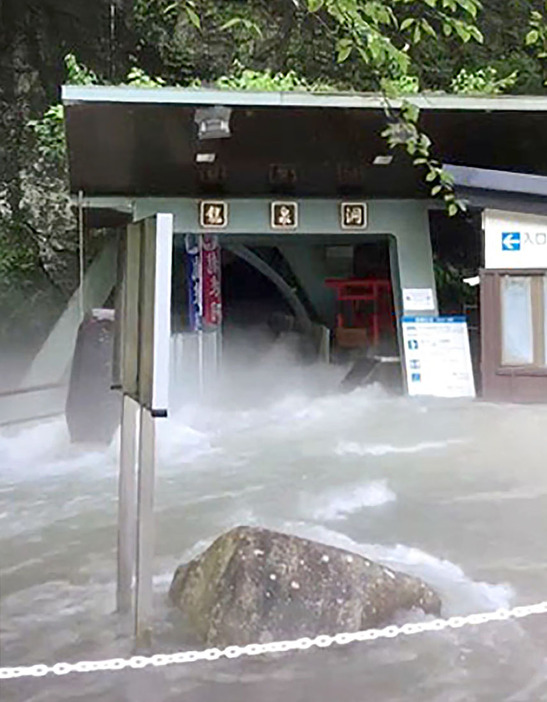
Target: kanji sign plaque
<point>284,215</point>
<point>353,215</point>
<point>213,214</point>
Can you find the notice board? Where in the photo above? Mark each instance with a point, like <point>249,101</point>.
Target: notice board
<point>438,357</point>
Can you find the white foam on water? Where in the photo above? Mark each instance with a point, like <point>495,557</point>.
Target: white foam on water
<point>351,448</point>
<point>263,442</point>
<point>34,444</point>
<point>459,593</point>
<point>339,504</point>
<point>518,493</point>
<point>179,443</point>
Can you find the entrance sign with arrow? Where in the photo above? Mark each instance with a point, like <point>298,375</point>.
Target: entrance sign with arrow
<point>510,241</point>
<point>515,240</point>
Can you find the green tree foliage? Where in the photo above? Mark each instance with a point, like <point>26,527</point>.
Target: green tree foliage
<point>284,36</point>
<point>504,25</point>
<point>537,37</point>
<point>49,130</point>
<point>399,47</point>
<point>38,262</point>
<point>382,35</point>
<point>485,81</point>
<point>242,78</point>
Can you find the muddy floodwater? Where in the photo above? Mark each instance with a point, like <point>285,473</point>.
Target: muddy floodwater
<point>452,491</point>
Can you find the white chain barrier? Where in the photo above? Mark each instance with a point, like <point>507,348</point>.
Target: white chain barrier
<point>303,644</point>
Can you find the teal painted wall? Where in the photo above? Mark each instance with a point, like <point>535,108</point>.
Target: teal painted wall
<point>319,222</point>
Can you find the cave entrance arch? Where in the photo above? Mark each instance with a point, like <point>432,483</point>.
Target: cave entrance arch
<point>257,261</point>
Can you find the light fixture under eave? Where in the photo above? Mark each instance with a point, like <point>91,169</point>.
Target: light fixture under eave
<point>213,122</point>
<point>205,158</point>
<point>383,160</point>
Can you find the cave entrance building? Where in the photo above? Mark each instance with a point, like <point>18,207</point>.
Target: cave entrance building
<point>302,190</point>
<point>298,191</point>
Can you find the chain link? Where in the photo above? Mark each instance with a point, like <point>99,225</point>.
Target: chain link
<point>303,644</point>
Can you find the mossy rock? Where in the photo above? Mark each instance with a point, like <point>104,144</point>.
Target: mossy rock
<point>256,585</point>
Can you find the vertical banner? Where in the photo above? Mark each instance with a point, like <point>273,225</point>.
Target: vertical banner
<point>194,281</point>
<point>211,281</point>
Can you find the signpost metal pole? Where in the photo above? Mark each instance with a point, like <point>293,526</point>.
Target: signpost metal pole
<point>153,393</point>
<point>145,531</point>
<point>145,372</point>
<point>125,374</point>
<point>126,503</point>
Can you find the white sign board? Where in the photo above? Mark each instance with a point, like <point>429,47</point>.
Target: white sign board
<point>146,313</point>
<point>438,357</point>
<point>418,299</point>
<point>514,240</point>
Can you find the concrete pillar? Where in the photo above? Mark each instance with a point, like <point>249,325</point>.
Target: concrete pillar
<point>54,358</point>
<point>413,257</point>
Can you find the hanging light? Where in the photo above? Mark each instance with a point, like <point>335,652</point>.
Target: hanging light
<point>213,122</point>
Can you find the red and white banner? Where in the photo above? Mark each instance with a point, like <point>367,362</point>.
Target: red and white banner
<point>211,281</point>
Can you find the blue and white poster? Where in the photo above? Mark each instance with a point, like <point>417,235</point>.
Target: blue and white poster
<point>438,357</point>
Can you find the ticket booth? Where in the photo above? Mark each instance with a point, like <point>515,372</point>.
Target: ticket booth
<point>227,170</point>
<point>514,307</point>
<point>513,281</point>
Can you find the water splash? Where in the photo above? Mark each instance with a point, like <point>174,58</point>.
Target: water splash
<point>341,503</point>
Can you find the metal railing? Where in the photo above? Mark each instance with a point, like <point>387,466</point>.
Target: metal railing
<point>33,416</point>
<point>35,388</point>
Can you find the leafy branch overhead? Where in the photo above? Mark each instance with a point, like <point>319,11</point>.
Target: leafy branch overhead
<point>382,33</point>
<point>167,8</point>
<point>537,36</point>
<point>386,40</point>
<point>383,36</point>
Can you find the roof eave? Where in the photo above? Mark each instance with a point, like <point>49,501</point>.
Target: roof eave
<point>72,94</point>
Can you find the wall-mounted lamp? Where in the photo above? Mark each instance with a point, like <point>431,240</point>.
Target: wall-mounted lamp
<point>213,122</point>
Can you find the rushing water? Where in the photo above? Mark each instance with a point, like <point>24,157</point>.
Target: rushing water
<point>455,492</point>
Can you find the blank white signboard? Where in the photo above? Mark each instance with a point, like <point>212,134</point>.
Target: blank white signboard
<point>146,312</point>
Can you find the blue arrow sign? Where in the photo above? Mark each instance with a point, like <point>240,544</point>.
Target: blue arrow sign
<point>510,241</point>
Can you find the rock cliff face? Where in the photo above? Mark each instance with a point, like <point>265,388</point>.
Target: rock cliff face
<point>255,585</point>
<point>38,238</point>
<point>34,203</point>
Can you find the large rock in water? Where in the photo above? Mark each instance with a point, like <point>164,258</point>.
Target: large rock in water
<point>93,410</point>
<point>254,585</point>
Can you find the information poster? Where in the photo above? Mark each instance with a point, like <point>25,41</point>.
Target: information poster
<point>438,357</point>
